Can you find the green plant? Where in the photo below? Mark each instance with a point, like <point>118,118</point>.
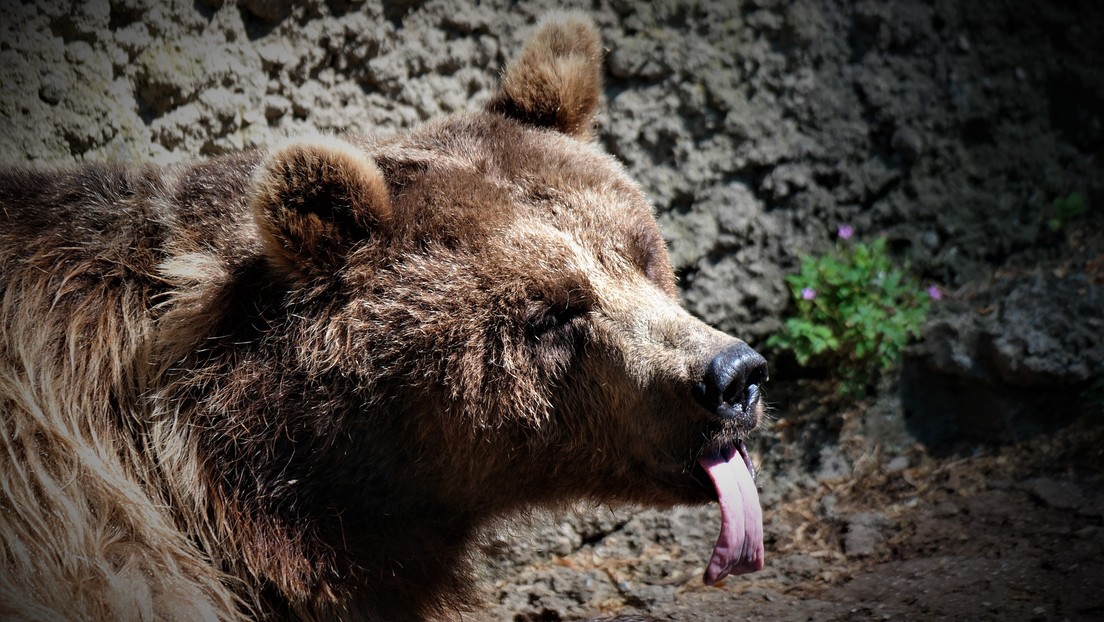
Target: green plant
<point>855,312</point>
<point>1065,209</point>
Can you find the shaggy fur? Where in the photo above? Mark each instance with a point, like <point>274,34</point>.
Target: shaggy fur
<point>299,383</point>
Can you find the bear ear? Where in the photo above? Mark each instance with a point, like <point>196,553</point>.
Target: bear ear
<point>313,200</point>
<point>556,81</point>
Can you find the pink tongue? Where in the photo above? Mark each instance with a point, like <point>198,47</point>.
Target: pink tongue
<point>739,548</point>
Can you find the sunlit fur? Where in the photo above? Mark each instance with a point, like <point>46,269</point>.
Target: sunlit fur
<point>300,382</point>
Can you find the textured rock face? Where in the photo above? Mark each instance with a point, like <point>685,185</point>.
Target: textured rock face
<point>755,127</point>
<point>1012,365</point>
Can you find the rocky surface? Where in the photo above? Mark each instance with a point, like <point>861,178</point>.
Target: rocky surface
<point>756,128</point>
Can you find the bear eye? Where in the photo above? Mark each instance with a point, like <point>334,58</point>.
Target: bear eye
<point>547,318</point>
<point>556,334</point>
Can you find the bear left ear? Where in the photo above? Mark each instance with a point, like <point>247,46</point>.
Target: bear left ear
<point>556,81</point>
<point>313,200</point>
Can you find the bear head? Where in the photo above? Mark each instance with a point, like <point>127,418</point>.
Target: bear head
<point>458,322</point>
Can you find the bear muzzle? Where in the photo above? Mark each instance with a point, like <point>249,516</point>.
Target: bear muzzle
<point>730,388</point>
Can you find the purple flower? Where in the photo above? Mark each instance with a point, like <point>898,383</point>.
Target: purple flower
<point>935,293</point>
<point>808,293</point>
<point>845,232</point>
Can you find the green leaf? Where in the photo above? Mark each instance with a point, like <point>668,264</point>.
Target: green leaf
<point>866,309</point>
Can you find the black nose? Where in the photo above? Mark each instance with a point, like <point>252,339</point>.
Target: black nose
<point>730,387</point>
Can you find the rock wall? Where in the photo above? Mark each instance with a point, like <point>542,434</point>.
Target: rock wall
<point>755,127</point>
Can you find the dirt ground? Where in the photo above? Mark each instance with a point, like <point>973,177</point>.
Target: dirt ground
<point>1001,533</point>
<point>969,487</point>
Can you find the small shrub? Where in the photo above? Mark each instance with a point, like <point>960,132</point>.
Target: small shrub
<point>856,311</point>
<point>1066,209</point>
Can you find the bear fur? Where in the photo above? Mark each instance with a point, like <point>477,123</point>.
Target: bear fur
<point>299,382</point>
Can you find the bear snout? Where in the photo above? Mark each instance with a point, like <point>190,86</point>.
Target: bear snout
<point>730,388</point>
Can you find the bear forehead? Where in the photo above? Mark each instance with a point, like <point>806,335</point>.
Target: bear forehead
<point>477,179</point>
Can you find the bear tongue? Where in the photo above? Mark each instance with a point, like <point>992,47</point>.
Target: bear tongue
<point>739,548</point>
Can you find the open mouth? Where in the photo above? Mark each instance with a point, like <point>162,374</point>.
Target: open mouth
<point>739,549</point>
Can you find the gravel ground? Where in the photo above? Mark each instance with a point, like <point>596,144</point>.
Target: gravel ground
<point>969,489</point>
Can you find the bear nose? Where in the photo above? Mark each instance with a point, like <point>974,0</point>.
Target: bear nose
<point>730,387</point>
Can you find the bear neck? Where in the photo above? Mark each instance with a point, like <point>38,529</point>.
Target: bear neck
<point>326,541</point>
<point>324,536</point>
<point>317,534</point>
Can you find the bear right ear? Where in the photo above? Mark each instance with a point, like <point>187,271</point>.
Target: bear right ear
<point>556,81</point>
<point>313,200</point>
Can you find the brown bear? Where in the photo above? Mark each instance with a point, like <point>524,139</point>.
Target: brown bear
<point>299,383</point>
